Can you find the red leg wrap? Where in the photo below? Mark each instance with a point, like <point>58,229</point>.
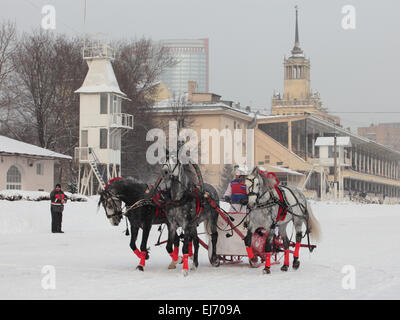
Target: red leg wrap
<point>190,249</point>
<point>185,262</point>
<point>175,254</point>
<point>142,258</point>
<point>250,253</point>
<point>286,262</point>
<point>137,252</point>
<point>268,259</point>
<point>297,249</point>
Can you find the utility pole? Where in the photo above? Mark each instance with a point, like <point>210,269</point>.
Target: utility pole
<point>335,161</point>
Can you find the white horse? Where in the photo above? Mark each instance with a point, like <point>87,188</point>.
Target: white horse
<point>272,207</point>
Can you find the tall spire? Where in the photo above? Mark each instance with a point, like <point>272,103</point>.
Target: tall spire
<point>296,41</point>
<point>296,49</point>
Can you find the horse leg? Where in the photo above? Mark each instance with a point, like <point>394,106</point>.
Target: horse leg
<point>285,239</point>
<point>196,242</point>
<point>247,241</point>
<point>296,261</point>
<point>268,251</point>
<point>143,246</point>
<point>185,250</point>
<point>132,244</point>
<point>172,238</point>
<point>214,238</point>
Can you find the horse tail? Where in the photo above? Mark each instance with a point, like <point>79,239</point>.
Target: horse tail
<point>313,224</point>
<point>207,227</point>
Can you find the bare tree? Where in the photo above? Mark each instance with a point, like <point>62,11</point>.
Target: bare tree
<point>7,47</point>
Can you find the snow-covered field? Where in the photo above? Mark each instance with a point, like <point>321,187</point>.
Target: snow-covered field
<point>92,260</point>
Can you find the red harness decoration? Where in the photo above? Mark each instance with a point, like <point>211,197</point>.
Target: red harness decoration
<point>158,208</point>
<point>281,211</point>
<point>199,206</point>
<point>111,181</point>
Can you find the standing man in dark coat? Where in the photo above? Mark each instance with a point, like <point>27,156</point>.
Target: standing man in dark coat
<point>58,199</point>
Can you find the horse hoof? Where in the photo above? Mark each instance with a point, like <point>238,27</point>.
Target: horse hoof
<point>193,268</point>
<point>267,270</point>
<point>140,268</point>
<point>285,268</point>
<point>185,273</point>
<point>296,264</point>
<point>216,263</point>
<point>172,265</point>
<point>253,264</point>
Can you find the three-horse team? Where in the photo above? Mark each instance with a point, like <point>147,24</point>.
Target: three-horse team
<point>180,199</point>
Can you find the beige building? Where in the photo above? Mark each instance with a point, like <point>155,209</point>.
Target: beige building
<point>207,113</point>
<point>25,166</point>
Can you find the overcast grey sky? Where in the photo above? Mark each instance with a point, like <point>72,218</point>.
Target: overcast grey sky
<point>354,70</point>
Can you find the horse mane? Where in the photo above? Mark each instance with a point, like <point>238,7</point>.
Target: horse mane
<point>191,174</point>
<point>127,189</point>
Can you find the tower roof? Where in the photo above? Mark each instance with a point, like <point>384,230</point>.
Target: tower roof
<point>296,51</point>
<point>100,78</point>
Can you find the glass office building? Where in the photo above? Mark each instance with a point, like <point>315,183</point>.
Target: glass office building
<point>192,65</point>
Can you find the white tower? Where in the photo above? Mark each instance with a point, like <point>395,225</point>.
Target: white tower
<point>101,123</point>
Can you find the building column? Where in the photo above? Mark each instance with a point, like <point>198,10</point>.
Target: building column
<point>290,135</point>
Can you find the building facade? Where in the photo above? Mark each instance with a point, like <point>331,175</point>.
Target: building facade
<point>192,63</point>
<point>25,166</point>
<point>387,134</point>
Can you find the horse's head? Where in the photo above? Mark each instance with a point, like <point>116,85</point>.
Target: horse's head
<point>112,205</point>
<point>170,169</point>
<point>254,185</point>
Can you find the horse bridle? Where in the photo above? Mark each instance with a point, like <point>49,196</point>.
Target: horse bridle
<point>113,198</point>
<point>259,196</point>
<point>251,192</point>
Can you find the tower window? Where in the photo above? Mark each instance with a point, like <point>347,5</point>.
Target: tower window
<point>103,138</point>
<point>103,103</point>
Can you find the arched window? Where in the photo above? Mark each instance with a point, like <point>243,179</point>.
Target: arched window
<point>13,179</point>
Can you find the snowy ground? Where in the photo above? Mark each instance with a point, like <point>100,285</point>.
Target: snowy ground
<point>92,260</point>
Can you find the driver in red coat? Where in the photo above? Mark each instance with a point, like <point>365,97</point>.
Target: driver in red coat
<point>236,193</point>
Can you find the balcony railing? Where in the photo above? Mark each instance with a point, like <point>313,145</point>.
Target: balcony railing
<point>121,120</point>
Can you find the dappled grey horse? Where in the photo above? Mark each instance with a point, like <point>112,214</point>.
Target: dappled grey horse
<point>187,210</point>
<point>272,206</point>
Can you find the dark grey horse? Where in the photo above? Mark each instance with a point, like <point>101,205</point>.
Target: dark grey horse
<point>185,212</point>
<point>129,192</point>
<point>269,211</point>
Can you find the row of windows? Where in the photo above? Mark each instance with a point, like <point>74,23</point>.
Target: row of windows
<point>114,141</point>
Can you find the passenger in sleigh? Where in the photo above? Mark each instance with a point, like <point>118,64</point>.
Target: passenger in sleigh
<point>236,194</point>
